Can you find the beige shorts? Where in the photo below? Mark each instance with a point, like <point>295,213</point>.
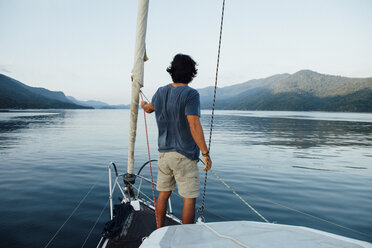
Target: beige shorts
<point>173,168</point>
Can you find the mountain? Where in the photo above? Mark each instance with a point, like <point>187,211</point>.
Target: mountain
<point>90,103</point>
<point>14,94</point>
<point>302,91</point>
<point>97,104</point>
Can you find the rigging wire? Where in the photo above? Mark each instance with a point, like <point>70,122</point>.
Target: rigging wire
<point>283,206</point>
<point>232,190</point>
<point>148,152</point>
<point>72,213</point>
<point>309,215</point>
<point>99,217</point>
<point>201,209</point>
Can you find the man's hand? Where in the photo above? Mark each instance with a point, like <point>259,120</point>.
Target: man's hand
<point>147,107</point>
<point>207,163</point>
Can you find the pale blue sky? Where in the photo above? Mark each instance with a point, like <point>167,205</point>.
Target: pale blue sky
<point>85,48</point>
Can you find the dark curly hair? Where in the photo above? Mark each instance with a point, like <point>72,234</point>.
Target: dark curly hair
<point>182,69</point>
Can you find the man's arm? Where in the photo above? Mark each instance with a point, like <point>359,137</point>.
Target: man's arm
<point>147,107</point>
<point>196,130</point>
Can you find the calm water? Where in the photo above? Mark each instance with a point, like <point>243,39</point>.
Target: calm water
<point>290,166</point>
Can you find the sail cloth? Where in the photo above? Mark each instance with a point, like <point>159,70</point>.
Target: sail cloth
<point>248,234</point>
<point>137,75</point>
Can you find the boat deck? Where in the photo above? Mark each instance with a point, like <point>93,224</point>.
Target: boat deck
<point>139,224</point>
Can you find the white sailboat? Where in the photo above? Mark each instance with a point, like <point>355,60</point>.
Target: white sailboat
<point>133,220</point>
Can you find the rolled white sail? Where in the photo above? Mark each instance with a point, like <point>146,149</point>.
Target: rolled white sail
<point>137,74</point>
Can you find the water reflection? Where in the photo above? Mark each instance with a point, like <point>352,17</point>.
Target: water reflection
<point>13,124</point>
<point>298,133</point>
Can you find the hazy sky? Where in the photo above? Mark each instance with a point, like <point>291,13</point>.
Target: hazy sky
<point>86,48</point>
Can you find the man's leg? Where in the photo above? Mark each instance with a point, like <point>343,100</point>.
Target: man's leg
<point>188,211</point>
<point>161,206</point>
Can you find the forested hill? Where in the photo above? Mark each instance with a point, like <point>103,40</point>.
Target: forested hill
<point>302,91</point>
<point>16,95</point>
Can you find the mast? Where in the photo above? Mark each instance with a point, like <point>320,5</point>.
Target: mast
<point>137,74</point>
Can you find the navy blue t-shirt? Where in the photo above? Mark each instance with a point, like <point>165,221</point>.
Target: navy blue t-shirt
<point>172,105</point>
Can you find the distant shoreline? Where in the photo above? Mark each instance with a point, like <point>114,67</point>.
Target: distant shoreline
<point>205,109</point>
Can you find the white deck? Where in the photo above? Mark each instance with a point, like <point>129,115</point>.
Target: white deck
<point>251,234</point>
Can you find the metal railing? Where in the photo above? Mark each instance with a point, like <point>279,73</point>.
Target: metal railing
<point>125,191</point>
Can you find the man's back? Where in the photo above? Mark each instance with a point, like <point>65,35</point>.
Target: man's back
<point>172,105</point>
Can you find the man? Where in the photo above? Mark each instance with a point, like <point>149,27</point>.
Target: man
<point>181,138</point>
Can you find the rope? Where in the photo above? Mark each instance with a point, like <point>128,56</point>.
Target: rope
<point>72,213</point>
<point>91,230</point>
<point>246,203</point>
<point>148,152</point>
<point>223,236</point>
<point>201,209</point>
